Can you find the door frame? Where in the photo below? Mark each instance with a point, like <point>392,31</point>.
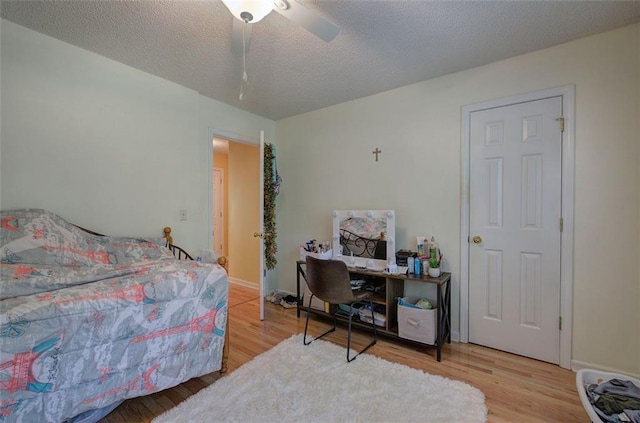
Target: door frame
<point>263,284</point>
<point>216,133</point>
<point>566,249</point>
<point>222,216</point>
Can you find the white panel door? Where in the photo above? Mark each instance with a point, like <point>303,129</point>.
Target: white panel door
<point>263,269</point>
<point>514,222</point>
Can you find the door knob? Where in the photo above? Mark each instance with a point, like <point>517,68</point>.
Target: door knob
<point>258,235</point>
<point>477,239</point>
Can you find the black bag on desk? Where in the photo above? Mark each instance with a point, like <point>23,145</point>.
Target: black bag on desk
<point>403,255</point>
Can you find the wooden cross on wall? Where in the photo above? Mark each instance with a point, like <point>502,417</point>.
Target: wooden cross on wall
<point>376,152</point>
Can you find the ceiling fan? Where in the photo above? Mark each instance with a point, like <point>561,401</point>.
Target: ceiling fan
<point>248,12</point>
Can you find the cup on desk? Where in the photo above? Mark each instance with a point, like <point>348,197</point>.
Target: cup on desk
<point>425,266</point>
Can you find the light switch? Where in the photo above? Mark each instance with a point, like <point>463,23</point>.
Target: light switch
<point>183,214</point>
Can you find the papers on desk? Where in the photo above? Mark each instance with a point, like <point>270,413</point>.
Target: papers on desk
<point>402,270</point>
<point>375,269</point>
<point>359,263</point>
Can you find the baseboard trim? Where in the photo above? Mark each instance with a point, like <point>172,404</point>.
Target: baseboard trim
<point>577,365</point>
<point>247,284</point>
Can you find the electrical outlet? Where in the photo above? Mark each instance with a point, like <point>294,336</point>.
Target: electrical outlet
<point>183,214</point>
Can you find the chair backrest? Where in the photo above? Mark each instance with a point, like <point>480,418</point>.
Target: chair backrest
<point>329,280</point>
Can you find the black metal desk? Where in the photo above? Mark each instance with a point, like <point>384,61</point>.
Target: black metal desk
<point>395,288</point>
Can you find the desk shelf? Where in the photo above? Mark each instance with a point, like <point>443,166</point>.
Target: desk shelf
<point>394,288</point>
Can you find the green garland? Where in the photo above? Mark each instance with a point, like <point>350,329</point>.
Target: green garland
<point>271,189</point>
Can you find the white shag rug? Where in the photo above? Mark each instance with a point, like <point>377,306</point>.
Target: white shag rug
<point>297,383</point>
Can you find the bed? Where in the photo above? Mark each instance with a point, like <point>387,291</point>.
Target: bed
<point>87,321</point>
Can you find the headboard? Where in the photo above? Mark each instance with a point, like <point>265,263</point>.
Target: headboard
<point>178,252</point>
<point>181,254</point>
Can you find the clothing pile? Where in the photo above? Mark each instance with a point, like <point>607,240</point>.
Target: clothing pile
<point>289,301</point>
<point>282,298</point>
<point>421,303</point>
<point>615,400</point>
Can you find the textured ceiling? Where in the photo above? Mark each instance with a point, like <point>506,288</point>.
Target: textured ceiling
<point>383,44</point>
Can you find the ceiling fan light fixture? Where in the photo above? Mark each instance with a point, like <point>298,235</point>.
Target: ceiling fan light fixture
<point>249,10</point>
<point>281,4</point>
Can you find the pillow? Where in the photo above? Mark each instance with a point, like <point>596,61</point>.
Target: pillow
<point>131,250</point>
<point>209,256</point>
<point>36,236</point>
<point>160,242</point>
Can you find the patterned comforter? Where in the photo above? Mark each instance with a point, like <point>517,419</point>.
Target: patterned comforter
<point>86,321</point>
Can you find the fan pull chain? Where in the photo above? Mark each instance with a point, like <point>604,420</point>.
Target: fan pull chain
<point>245,78</point>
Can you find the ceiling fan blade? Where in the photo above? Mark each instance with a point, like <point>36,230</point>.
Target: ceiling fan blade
<point>309,20</point>
<point>236,36</point>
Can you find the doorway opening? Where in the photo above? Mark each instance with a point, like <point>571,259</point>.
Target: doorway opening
<point>235,208</point>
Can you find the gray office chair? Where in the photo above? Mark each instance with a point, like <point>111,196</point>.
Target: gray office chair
<point>329,281</point>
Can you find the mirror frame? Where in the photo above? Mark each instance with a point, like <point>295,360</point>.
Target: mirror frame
<point>389,215</point>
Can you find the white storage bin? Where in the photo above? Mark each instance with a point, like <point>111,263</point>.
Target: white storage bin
<point>417,324</point>
<point>316,303</point>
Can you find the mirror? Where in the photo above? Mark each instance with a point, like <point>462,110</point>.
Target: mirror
<point>368,234</point>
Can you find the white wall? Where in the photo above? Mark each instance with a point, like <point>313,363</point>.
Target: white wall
<point>0,115</point>
<point>326,163</point>
<point>104,145</point>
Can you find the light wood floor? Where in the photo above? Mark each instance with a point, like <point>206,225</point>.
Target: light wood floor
<point>517,389</point>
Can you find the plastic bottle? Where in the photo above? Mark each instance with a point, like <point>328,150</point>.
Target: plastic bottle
<point>420,244</point>
<point>417,263</point>
<point>411,264</point>
<point>433,248</point>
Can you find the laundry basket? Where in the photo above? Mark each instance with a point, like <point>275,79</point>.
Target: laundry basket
<point>589,376</point>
